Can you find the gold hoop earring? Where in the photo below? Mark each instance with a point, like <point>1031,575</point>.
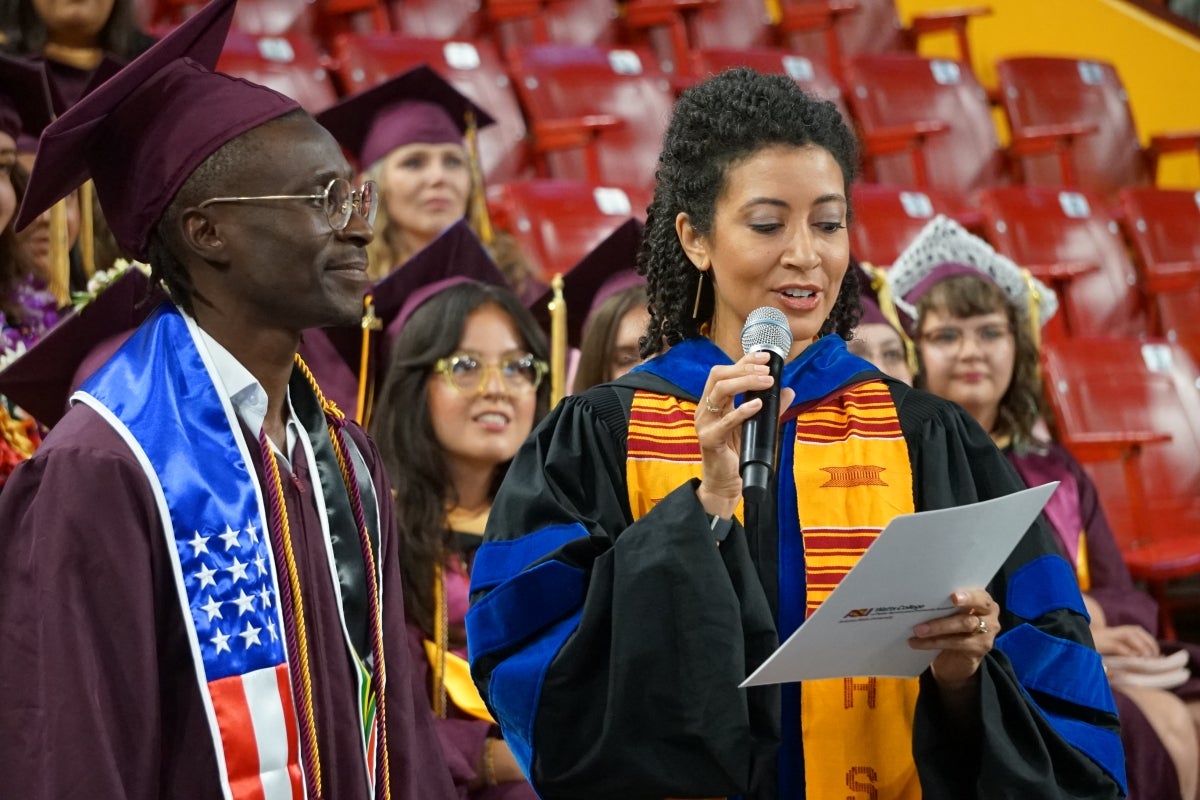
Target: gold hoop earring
<point>699,290</point>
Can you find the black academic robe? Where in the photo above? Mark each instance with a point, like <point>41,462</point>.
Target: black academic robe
<point>634,635</point>
<point>97,685</point>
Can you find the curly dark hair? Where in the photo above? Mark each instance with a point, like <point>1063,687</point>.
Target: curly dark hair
<point>412,455</point>
<point>715,125</point>
<point>969,296</point>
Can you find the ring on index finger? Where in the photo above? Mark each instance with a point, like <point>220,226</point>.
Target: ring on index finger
<point>708,406</point>
<point>982,627</point>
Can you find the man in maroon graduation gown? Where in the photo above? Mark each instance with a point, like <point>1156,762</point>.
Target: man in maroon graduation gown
<point>199,585</point>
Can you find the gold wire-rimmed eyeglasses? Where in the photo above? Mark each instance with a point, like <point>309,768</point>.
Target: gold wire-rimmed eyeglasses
<point>339,200</point>
<point>468,375</point>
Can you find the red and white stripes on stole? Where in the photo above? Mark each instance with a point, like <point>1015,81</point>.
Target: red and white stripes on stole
<point>259,734</point>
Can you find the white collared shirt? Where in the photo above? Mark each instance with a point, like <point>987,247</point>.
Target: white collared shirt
<point>247,395</point>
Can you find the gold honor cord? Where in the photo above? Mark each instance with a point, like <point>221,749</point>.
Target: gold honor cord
<point>480,221</point>
<point>1034,308</point>
<point>87,229</point>
<point>558,342</point>
<point>60,255</point>
<point>366,387</point>
<point>883,294</point>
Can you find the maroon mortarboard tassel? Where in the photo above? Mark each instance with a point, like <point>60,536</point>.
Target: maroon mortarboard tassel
<point>418,106</point>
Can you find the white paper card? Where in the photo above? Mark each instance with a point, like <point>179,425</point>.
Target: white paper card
<point>904,578</point>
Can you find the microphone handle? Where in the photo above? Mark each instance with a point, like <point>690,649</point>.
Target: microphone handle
<point>760,435</point>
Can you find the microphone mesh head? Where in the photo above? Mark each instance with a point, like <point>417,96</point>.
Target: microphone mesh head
<point>767,329</point>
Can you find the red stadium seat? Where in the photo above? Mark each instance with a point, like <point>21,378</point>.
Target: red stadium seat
<point>1130,412</point>
<point>474,68</point>
<point>319,19</point>
<point>888,218</point>
<point>812,76</point>
<point>275,17</point>
<point>1069,241</point>
<point>676,29</point>
<point>557,222</point>
<point>289,64</point>
<point>597,114</point>
<point>438,19</point>
<point>517,23</point>
<point>1105,155</point>
<point>1164,226</point>
<point>862,27</point>
<point>925,122</point>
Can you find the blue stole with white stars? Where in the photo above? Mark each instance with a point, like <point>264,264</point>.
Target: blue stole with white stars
<point>159,393</point>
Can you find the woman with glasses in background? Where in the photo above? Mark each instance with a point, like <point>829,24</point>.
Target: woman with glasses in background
<point>464,388</point>
<point>977,316</point>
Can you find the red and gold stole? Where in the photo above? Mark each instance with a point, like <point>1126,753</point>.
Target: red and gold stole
<point>853,476</point>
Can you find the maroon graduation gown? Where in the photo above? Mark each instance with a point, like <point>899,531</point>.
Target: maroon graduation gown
<point>97,685</point>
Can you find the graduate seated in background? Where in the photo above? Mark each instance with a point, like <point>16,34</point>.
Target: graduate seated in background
<point>976,333</point>
<point>879,336</point>
<point>414,135</point>
<point>464,386</point>
<point>73,38</point>
<point>200,593</point>
<point>624,590</point>
<point>30,289</point>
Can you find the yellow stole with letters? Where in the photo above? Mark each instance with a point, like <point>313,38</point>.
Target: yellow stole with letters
<point>853,476</point>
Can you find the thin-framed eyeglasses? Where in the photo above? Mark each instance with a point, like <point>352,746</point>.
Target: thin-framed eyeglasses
<point>468,375</point>
<point>985,336</point>
<point>339,200</point>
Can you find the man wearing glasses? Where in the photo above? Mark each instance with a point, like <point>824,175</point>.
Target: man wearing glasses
<point>199,585</point>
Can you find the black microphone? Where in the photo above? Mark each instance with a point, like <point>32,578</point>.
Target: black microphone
<point>766,330</point>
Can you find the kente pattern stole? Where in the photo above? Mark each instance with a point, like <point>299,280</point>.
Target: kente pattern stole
<point>159,393</point>
<point>853,476</point>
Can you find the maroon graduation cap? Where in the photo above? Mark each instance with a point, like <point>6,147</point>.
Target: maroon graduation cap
<point>41,379</point>
<point>142,133</point>
<point>418,106</point>
<point>27,100</point>
<point>609,268</point>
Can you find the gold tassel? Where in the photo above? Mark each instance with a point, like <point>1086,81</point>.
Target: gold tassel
<point>87,229</point>
<point>1035,308</point>
<point>480,221</point>
<point>883,293</point>
<point>60,256</point>
<point>441,627</point>
<point>774,11</point>
<point>366,387</point>
<point>558,342</point>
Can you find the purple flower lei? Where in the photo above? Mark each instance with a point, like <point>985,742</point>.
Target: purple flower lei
<point>40,315</point>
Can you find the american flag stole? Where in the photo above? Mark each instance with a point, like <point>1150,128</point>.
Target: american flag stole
<point>215,522</point>
<point>853,476</point>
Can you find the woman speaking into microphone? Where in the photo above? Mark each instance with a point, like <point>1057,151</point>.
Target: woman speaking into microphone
<point>625,587</point>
